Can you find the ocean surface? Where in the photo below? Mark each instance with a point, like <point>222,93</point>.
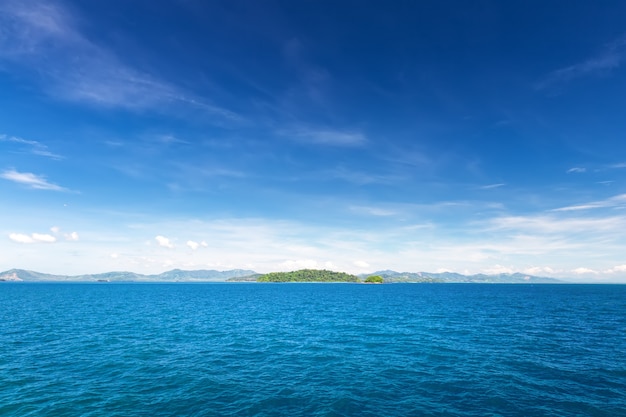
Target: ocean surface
<point>312,350</point>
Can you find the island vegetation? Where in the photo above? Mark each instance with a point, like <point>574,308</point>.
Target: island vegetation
<point>374,279</point>
<point>308,275</point>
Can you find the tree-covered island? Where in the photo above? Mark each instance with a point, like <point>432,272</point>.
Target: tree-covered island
<point>374,279</point>
<point>308,275</point>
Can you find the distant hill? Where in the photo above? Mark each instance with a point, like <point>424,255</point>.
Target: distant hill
<point>246,278</point>
<point>453,277</point>
<point>23,275</point>
<point>200,275</point>
<point>246,275</point>
<point>175,275</point>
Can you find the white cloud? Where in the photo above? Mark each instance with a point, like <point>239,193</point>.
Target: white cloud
<point>193,245</point>
<point>164,242</point>
<point>578,170</point>
<point>536,270</point>
<point>361,264</point>
<point>291,265</point>
<point>616,269</point>
<point>330,265</point>
<point>55,229</point>
<point>21,238</point>
<point>584,271</point>
<point>498,269</point>
<point>71,236</point>
<point>516,244</point>
<point>32,238</point>
<point>33,181</point>
<point>43,237</point>
<point>204,244</point>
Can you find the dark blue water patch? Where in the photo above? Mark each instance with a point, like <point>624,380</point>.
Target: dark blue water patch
<point>311,349</point>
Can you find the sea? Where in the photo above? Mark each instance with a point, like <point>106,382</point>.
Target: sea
<point>249,349</point>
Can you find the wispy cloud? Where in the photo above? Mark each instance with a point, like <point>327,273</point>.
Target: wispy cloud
<point>410,157</point>
<point>373,211</point>
<point>327,137</point>
<point>359,177</point>
<point>576,170</point>
<point>615,201</point>
<point>193,172</point>
<point>552,224</point>
<point>31,180</point>
<point>43,37</point>
<point>603,63</point>
<point>32,146</point>
<point>170,140</point>
<point>313,81</point>
<point>189,177</point>
<point>492,186</point>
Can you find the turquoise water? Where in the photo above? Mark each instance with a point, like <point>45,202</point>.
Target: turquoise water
<point>312,350</point>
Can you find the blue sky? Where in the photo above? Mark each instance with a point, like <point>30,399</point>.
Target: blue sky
<point>472,137</point>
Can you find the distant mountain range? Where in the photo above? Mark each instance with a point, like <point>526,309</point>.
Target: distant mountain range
<point>245,275</point>
<point>175,275</point>
<point>453,277</point>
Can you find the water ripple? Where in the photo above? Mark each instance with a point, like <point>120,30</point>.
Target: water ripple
<point>312,350</point>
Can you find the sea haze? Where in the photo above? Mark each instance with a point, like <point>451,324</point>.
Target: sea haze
<point>312,350</point>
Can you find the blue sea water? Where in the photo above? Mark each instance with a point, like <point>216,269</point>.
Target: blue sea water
<point>312,350</point>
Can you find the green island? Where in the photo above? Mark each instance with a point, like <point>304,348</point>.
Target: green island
<point>308,275</point>
<point>374,279</point>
